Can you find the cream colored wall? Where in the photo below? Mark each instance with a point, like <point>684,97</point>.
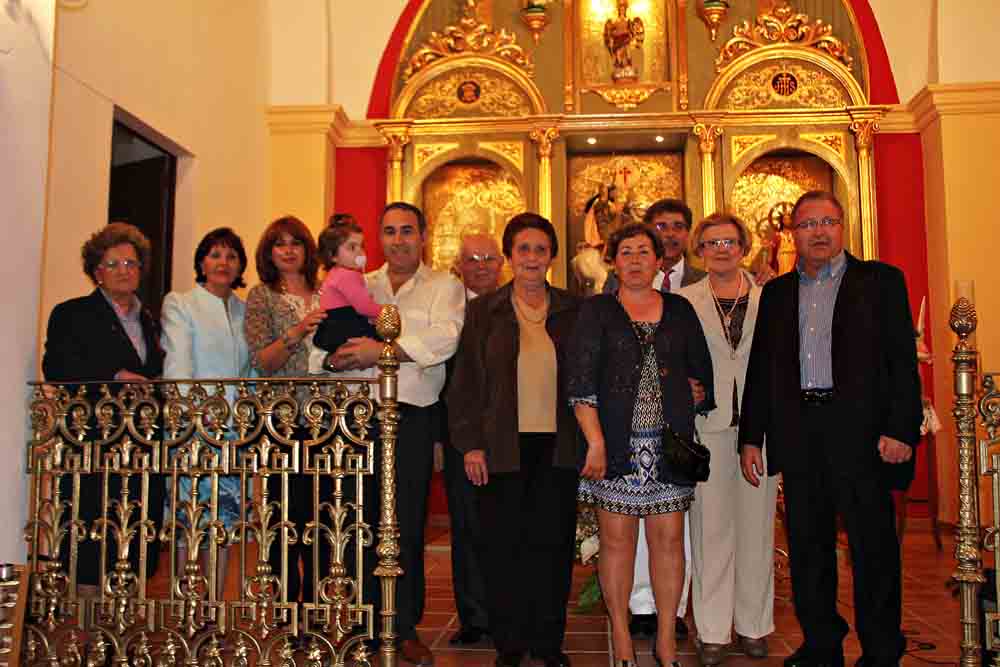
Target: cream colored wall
<point>906,27</point>
<point>194,74</point>
<point>26,38</point>
<point>300,52</point>
<point>967,41</point>
<point>961,138</point>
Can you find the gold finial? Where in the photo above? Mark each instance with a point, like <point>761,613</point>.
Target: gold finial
<point>388,324</point>
<point>963,319</point>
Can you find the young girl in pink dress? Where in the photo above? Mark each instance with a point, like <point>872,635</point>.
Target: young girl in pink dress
<point>345,298</point>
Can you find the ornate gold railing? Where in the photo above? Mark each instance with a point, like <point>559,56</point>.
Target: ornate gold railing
<point>121,441</point>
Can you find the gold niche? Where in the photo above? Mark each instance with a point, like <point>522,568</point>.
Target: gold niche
<point>649,176</point>
<point>771,181</point>
<point>470,92</point>
<point>470,36</point>
<point>784,85</point>
<point>782,26</point>
<point>464,198</point>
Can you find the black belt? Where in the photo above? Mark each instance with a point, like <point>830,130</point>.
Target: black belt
<point>817,396</point>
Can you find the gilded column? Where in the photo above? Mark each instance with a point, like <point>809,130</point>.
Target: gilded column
<point>707,134</point>
<point>569,84</point>
<point>969,572</point>
<point>543,139</point>
<point>864,132</point>
<point>396,138</point>
<point>389,326</point>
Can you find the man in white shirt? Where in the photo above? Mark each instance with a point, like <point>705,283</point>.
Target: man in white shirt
<point>432,308</point>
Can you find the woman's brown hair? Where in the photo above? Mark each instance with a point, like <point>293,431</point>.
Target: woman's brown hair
<point>268,272</point>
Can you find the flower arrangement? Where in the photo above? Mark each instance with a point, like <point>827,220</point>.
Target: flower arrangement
<point>588,547</point>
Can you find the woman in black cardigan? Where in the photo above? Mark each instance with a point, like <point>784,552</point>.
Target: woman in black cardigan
<point>106,336</point>
<point>633,356</point>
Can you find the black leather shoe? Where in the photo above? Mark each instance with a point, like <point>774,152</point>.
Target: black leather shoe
<point>680,630</point>
<point>508,659</point>
<point>804,658</point>
<point>470,635</point>
<point>557,659</point>
<point>642,625</point>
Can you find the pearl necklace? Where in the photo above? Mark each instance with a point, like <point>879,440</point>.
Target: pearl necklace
<point>522,309</point>
<point>727,318</point>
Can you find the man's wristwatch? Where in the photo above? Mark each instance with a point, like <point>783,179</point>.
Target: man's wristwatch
<point>327,366</point>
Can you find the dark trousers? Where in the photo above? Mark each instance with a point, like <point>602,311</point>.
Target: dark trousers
<point>814,494</point>
<point>300,512</point>
<point>466,532</point>
<point>88,559</point>
<point>528,528</point>
<point>414,467</point>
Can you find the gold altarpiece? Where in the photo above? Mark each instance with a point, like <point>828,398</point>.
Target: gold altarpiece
<point>777,103</point>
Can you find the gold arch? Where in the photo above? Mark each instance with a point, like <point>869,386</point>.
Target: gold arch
<point>443,67</point>
<point>785,52</point>
<point>855,238</point>
<point>465,152</point>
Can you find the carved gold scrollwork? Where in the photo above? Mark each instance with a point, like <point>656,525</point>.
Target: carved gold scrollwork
<point>784,85</point>
<point>512,150</point>
<point>741,144</point>
<point>626,97</point>
<point>782,26</point>
<point>834,141</point>
<point>707,134</point>
<point>491,94</point>
<point>864,131</point>
<point>543,139</point>
<point>469,36</point>
<point>424,153</point>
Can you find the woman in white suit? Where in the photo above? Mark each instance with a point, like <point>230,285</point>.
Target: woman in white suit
<point>732,523</point>
<point>203,338</point>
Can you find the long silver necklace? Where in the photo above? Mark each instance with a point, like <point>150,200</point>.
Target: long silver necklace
<point>727,317</point>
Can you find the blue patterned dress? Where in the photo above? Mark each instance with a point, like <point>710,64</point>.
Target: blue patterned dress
<point>640,493</point>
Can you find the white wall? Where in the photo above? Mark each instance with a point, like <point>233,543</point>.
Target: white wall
<point>967,41</point>
<point>906,27</point>
<point>26,36</point>
<point>195,74</point>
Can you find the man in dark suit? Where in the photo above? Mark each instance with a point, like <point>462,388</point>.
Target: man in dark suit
<point>832,387</point>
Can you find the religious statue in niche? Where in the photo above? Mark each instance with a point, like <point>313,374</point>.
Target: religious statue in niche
<point>468,92</point>
<point>621,34</point>
<point>776,240</point>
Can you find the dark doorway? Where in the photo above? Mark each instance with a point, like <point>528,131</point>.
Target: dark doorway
<point>143,179</point>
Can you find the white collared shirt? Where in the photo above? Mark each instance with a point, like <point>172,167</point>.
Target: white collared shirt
<point>676,276</point>
<point>432,308</point>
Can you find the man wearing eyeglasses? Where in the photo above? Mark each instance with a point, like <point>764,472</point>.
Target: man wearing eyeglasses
<point>834,339</point>
<point>478,264</point>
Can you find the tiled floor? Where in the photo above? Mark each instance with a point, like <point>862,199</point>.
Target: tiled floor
<point>930,615</point>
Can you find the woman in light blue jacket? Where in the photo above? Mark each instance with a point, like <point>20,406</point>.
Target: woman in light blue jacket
<point>203,338</point>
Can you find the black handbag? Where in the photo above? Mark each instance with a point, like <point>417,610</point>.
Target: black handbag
<point>688,458</point>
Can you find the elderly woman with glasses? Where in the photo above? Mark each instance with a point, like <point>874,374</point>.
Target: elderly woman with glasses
<point>106,336</point>
<point>732,534</point>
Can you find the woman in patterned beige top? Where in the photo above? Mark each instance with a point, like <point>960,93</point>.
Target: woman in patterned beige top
<point>282,314</point>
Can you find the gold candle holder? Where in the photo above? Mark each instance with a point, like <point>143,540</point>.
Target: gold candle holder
<point>535,15</point>
<point>713,13</point>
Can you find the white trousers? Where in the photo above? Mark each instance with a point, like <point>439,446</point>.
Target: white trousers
<point>732,540</point>
<point>641,601</point>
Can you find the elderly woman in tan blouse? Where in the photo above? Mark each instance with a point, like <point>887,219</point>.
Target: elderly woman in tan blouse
<point>509,415</point>
<point>282,313</point>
